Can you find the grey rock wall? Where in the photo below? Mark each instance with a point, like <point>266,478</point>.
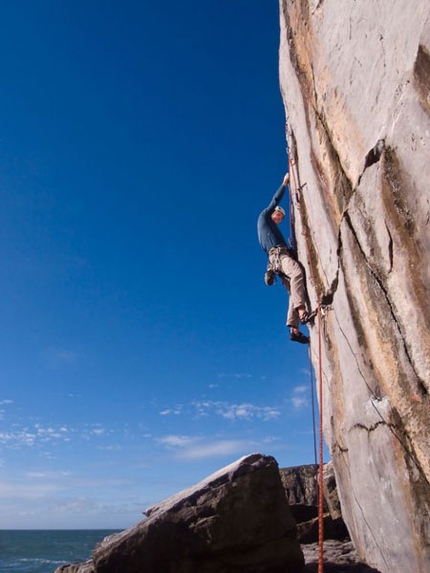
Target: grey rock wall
<point>355,79</point>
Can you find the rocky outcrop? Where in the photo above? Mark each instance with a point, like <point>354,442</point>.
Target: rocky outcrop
<point>235,520</point>
<point>355,80</point>
<point>301,487</point>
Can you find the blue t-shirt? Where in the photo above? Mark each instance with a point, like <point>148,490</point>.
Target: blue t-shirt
<point>269,234</point>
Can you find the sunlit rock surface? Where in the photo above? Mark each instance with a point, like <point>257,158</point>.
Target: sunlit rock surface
<point>355,79</point>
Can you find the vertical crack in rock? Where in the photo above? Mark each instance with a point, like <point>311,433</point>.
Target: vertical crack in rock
<point>389,303</point>
<point>374,392</point>
<point>363,517</point>
<point>293,49</point>
<point>343,189</point>
<point>373,156</point>
<point>422,77</point>
<point>398,429</point>
<point>328,297</point>
<point>369,528</point>
<point>390,248</point>
<point>408,447</point>
<point>394,194</point>
<point>409,457</point>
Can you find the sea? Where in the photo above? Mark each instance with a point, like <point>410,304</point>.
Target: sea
<point>42,551</point>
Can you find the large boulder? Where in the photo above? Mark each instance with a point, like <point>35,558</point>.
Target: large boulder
<point>355,80</point>
<point>235,520</point>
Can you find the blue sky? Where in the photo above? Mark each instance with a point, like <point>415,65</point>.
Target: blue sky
<point>141,349</point>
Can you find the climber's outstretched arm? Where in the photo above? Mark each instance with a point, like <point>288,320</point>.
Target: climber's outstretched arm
<point>286,180</point>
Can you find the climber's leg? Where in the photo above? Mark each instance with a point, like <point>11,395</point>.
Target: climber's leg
<point>294,272</point>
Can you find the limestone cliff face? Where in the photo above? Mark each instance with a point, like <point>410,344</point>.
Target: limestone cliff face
<point>355,78</point>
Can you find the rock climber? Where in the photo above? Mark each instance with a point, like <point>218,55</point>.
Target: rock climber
<point>282,263</point>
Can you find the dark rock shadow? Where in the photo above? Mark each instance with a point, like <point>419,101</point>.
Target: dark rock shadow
<point>340,568</point>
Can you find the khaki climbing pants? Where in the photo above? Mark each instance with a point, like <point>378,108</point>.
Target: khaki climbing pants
<point>293,279</point>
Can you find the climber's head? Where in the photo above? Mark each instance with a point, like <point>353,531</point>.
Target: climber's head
<point>278,214</point>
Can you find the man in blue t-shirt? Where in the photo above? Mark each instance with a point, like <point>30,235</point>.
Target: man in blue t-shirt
<point>283,264</point>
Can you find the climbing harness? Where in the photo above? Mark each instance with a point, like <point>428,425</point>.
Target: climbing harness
<point>320,481</point>
<point>275,255</point>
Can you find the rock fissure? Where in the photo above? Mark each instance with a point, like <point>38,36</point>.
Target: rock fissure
<point>375,393</point>
<point>365,520</point>
<point>373,427</point>
<point>422,76</point>
<point>339,448</point>
<point>384,291</point>
<point>396,431</point>
<point>372,533</point>
<point>373,156</point>
<point>343,181</point>
<point>390,248</point>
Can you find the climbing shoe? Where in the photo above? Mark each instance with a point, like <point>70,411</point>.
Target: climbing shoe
<point>308,316</point>
<point>299,337</point>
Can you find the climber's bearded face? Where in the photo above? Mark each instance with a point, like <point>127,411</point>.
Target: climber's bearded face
<point>277,217</point>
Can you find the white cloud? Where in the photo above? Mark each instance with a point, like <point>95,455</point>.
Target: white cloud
<point>48,474</point>
<point>176,410</point>
<point>3,410</point>
<point>110,448</point>
<point>214,449</point>
<point>236,411</point>
<point>177,441</point>
<point>238,376</point>
<point>301,389</point>
<point>299,402</point>
<point>47,434</point>
<point>27,490</point>
<point>196,447</point>
<point>98,431</point>
<point>300,397</point>
<point>40,434</point>
<point>18,438</point>
<point>79,505</point>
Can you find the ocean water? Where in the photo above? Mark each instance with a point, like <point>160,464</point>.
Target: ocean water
<point>40,551</point>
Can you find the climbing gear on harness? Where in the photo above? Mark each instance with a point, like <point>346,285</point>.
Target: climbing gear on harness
<point>275,258</point>
<point>276,253</point>
<point>270,276</point>
<point>280,209</point>
<point>279,250</point>
<point>299,337</point>
<point>308,316</point>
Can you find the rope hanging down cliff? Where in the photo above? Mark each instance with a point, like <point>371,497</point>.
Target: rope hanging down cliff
<point>293,169</point>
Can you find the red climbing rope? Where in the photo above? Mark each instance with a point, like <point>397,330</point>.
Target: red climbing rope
<point>320,489</point>
<point>321,460</point>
